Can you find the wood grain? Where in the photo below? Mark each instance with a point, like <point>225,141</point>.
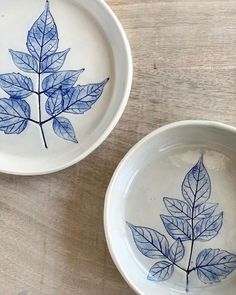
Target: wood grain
<point>51,228</point>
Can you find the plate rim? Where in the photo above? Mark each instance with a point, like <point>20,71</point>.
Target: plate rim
<point>113,122</point>
<point>173,125</point>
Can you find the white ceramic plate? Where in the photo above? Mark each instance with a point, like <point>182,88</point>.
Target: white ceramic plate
<point>58,55</point>
<point>170,211</point>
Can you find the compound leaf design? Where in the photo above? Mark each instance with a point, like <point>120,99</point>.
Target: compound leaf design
<point>56,90</point>
<point>192,220</point>
<point>213,265</point>
<point>14,115</point>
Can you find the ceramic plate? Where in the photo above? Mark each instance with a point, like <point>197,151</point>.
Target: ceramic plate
<point>170,211</point>
<point>65,77</point>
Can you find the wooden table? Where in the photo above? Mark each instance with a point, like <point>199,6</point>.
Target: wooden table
<point>51,228</point>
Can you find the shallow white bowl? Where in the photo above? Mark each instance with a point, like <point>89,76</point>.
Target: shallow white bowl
<point>97,44</point>
<point>140,214</point>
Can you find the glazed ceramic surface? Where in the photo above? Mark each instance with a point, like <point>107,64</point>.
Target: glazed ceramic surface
<point>65,77</point>
<point>170,211</point>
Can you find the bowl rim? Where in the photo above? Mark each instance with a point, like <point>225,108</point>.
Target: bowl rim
<point>177,124</point>
<point>113,122</point>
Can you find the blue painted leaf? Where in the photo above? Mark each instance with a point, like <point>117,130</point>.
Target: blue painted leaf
<point>42,38</point>
<point>161,271</point>
<point>81,98</point>
<point>178,208</point>
<point>149,241</point>
<point>196,187</point>
<point>177,251</point>
<point>63,80</point>
<point>63,128</point>
<point>213,265</point>
<point>177,228</point>
<point>54,104</point>
<point>204,210</point>
<point>14,115</point>
<point>207,228</point>
<point>16,85</point>
<point>53,62</point>
<point>24,61</point>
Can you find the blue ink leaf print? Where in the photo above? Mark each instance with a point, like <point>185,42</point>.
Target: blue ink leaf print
<point>196,187</point>
<point>177,228</point>
<point>64,129</point>
<point>16,85</point>
<point>178,208</point>
<point>56,90</point>
<point>42,38</point>
<point>81,98</point>
<point>207,228</point>
<point>161,271</point>
<point>204,210</point>
<point>213,265</point>
<point>53,62</point>
<point>63,80</point>
<point>149,242</point>
<point>192,220</point>
<point>14,115</point>
<point>24,61</point>
<point>54,104</point>
<point>177,251</point>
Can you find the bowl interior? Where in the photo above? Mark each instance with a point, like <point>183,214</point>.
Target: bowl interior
<point>154,171</point>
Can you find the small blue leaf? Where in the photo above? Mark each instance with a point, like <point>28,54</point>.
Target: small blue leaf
<point>161,271</point>
<point>16,85</point>
<point>53,62</point>
<point>63,80</point>
<point>196,187</point>
<point>81,98</point>
<point>54,104</point>
<point>177,251</point>
<point>14,115</point>
<point>42,38</point>
<point>177,228</point>
<point>63,128</point>
<point>204,210</point>
<point>207,228</point>
<point>149,241</point>
<point>24,61</point>
<point>178,208</point>
<point>213,265</point>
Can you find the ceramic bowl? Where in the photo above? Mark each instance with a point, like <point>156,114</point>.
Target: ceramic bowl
<point>170,211</point>
<point>65,78</point>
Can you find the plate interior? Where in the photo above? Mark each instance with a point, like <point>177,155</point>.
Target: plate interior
<point>82,27</point>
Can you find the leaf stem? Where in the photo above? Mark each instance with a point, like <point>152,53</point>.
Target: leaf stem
<point>33,121</point>
<point>40,111</point>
